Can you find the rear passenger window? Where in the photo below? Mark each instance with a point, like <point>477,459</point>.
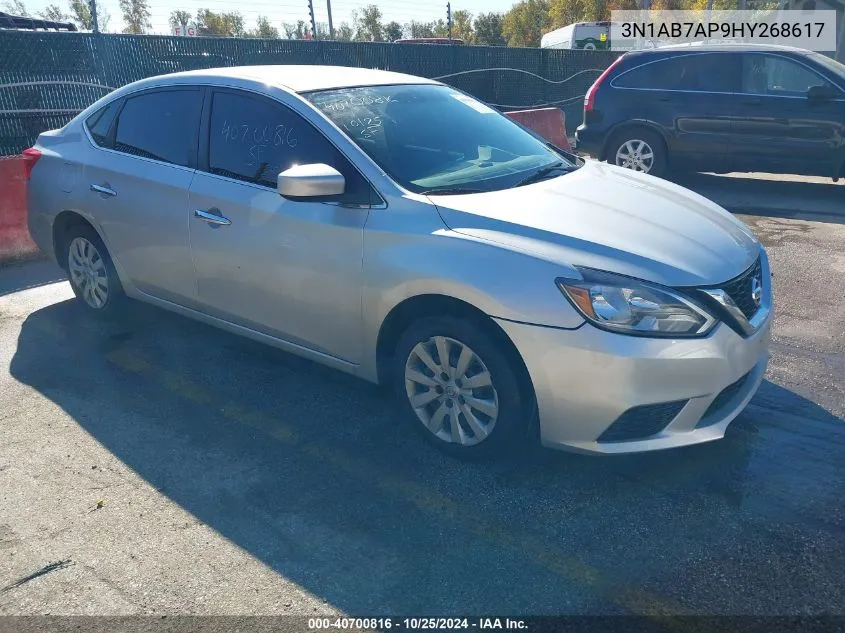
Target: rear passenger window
<point>666,74</point>
<point>99,123</point>
<point>707,72</point>
<point>161,125</point>
<point>253,139</point>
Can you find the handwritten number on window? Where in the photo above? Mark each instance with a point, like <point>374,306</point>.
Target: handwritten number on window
<point>365,127</point>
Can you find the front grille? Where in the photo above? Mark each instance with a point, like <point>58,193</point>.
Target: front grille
<point>723,400</point>
<point>641,422</point>
<point>739,289</point>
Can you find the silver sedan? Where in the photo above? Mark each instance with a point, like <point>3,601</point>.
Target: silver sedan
<point>400,230</point>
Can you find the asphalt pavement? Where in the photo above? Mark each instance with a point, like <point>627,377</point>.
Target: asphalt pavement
<point>160,466</point>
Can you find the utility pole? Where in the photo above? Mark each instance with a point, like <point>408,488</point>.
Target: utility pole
<point>331,27</point>
<point>449,18</point>
<point>94,25</point>
<point>313,23</point>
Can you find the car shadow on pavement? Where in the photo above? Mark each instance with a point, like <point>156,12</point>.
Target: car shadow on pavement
<point>309,471</point>
<point>778,196</point>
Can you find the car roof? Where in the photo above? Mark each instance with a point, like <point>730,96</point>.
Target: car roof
<point>304,78</point>
<point>733,47</point>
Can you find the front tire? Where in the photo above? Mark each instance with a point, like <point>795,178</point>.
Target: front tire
<point>638,149</point>
<point>91,273</point>
<point>459,388</point>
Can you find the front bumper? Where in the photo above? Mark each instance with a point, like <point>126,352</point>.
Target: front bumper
<point>586,379</point>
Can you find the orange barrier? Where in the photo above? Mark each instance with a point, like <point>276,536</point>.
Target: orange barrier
<point>547,122</point>
<point>15,242</point>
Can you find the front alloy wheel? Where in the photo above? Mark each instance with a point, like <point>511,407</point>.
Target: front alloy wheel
<point>458,380</point>
<point>450,390</point>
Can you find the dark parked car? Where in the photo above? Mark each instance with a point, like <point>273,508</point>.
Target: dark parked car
<point>719,108</point>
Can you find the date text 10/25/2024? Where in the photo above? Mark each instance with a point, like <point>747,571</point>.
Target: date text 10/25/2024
<point>415,624</point>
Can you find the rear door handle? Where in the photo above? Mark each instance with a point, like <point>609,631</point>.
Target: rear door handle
<point>111,193</point>
<point>212,218</point>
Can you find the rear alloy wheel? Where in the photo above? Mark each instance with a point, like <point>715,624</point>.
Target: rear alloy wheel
<point>91,272</point>
<point>638,150</point>
<point>459,385</point>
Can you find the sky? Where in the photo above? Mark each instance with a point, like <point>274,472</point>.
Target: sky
<point>288,10</point>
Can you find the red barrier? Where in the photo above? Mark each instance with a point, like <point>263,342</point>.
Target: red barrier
<point>547,122</point>
<point>15,242</point>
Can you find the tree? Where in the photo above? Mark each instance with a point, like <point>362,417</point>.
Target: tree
<point>625,5</point>
<point>294,31</point>
<point>136,14</point>
<point>322,30</point>
<point>301,31</point>
<point>671,5</point>
<point>226,24</point>
<point>439,28</point>
<point>263,29</point>
<point>53,13</point>
<point>180,18</point>
<point>344,32</point>
<point>80,14</point>
<point>526,23</point>
<point>488,29</point>
<point>392,31</point>
<point>462,26</point>
<point>563,12</point>
<point>367,23</point>
<point>419,29</point>
<point>15,7</point>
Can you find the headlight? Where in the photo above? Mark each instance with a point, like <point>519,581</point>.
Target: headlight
<point>630,306</point>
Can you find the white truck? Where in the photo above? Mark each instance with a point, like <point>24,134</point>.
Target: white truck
<point>588,36</point>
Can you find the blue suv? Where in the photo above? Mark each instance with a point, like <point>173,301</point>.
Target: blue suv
<point>721,109</point>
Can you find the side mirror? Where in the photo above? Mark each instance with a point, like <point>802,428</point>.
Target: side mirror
<point>310,181</point>
<point>822,93</point>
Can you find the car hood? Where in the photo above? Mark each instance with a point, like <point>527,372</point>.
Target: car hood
<point>612,219</point>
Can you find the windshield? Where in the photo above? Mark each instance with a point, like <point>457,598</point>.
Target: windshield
<point>830,64</point>
<point>432,139</point>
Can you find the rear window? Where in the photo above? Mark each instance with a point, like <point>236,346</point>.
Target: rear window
<point>99,124</point>
<point>161,125</point>
<point>705,72</point>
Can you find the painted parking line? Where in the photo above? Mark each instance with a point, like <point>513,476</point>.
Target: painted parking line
<point>540,552</point>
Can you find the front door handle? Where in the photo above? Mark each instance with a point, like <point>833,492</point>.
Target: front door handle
<point>212,218</point>
<point>110,193</point>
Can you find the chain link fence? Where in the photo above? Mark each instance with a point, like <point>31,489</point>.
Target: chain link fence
<point>46,78</point>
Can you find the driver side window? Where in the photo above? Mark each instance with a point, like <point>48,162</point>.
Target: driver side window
<point>253,139</point>
<point>777,76</point>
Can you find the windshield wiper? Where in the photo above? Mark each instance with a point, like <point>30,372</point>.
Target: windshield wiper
<point>455,191</point>
<point>545,171</point>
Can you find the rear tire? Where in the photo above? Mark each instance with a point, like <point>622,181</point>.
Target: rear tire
<point>92,273</point>
<point>458,388</point>
<point>638,149</point>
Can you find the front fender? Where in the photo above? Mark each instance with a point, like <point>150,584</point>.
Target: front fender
<point>501,280</point>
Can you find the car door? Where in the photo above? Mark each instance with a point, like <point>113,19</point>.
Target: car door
<point>284,267</point>
<point>137,179</point>
<point>691,98</point>
<point>777,127</point>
